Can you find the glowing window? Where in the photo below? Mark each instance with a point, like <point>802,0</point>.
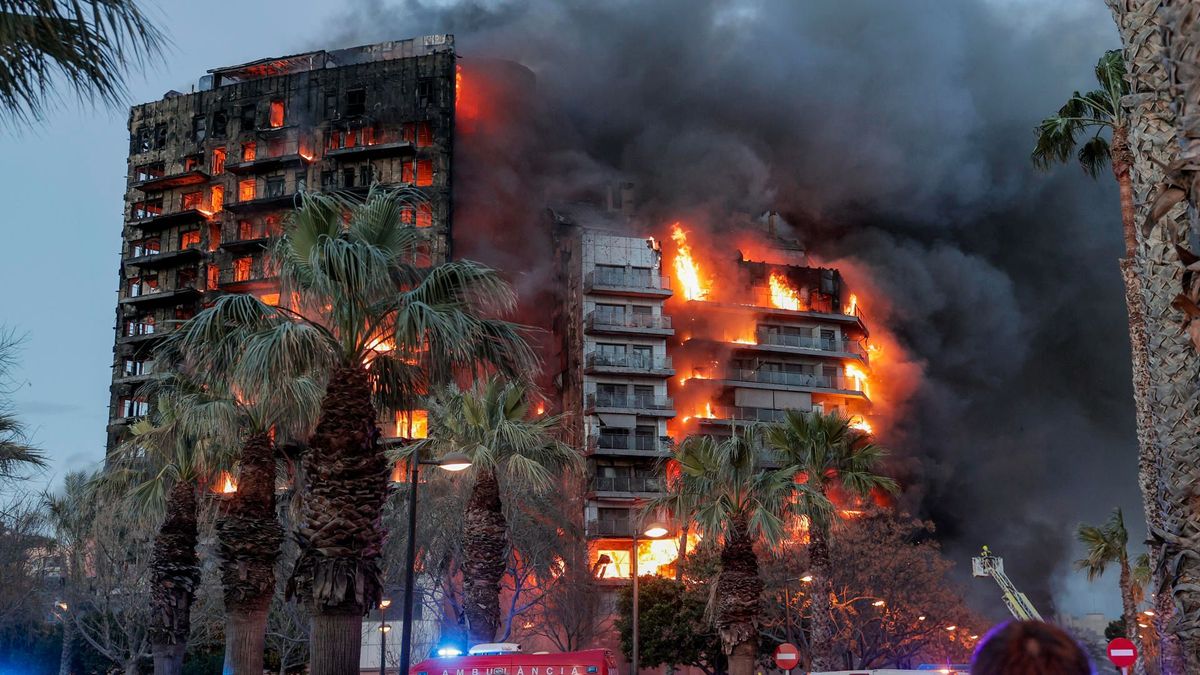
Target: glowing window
<point>246,190</point>
<point>214,277</point>
<point>214,237</point>
<point>189,238</point>
<point>406,172</point>
<point>276,114</point>
<point>191,201</point>
<point>408,215</point>
<point>218,160</point>
<point>424,215</point>
<point>249,151</point>
<point>424,135</point>
<point>417,427</point>
<point>217,199</point>
<point>270,298</point>
<point>241,269</point>
<point>424,172</point>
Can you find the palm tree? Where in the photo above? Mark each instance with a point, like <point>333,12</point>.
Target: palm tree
<point>164,469</point>
<point>379,329</point>
<point>491,425</point>
<point>1091,114</point>
<point>90,43</point>
<point>734,499</point>
<point>17,454</point>
<point>825,453</point>
<point>1106,545</point>
<point>70,516</point>
<point>1167,466</point>
<point>248,529</point>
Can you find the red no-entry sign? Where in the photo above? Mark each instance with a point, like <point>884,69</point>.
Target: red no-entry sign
<point>787,656</point>
<point>1122,652</point>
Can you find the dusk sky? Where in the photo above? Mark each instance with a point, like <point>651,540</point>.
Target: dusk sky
<point>64,178</point>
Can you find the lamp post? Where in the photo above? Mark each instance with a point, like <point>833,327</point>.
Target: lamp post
<point>383,630</point>
<point>453,461</point>
<point>655,530</point>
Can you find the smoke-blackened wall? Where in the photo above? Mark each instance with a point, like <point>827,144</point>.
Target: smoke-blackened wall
<point>892,136</point>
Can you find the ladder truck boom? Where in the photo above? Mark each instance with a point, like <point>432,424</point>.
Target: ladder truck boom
<point>990,565</point>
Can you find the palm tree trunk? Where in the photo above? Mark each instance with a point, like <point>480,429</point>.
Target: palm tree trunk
<point>739,596</point>
<point>1173,365</point>
<point>248,543</point>
<point>1128,606</point>
<point>822,590</point>
<point>68,640</point>
<point>485,557</point>
<point>341,534</point>
<point>174,574</point>
<point>683,535</point>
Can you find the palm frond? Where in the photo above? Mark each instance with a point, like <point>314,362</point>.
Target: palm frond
<point>91,44</point>
<point>1094,155</point>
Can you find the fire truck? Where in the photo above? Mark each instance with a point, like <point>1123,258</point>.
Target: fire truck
<point>508,659</point>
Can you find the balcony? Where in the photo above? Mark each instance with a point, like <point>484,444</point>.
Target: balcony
<point>628,364</point>
<point>810,344</point>
<point>250,245</point>
<point>628,485</point>
<point>388,149</point>
<point>150,298</point>
<point>630,445</point>
<point>629,283</point>
<point>725,414</point>
<point>628,324</point>
<point>657,406</point>
<point>269,202</point>
<point>610,527</point>
<point>158,221</point>
<point>181,179</point>
<point>839,383</point>
<point>284,155</point>
<point>165,258</point>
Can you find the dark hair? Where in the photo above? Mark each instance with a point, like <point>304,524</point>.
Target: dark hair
<point>1029,648</point>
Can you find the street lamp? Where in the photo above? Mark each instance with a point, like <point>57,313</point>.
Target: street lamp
<point>655,530</point>
<point>451,461</point>
<point>383,630</point>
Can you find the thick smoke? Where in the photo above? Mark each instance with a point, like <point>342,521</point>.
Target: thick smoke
<point>895,136</point>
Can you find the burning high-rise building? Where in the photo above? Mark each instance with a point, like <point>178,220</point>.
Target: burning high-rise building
<point>213,173</point>
<point>682,334</point>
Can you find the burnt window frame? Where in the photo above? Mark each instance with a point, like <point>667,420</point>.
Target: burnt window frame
<point>354,106</point>
<point>199,128</point>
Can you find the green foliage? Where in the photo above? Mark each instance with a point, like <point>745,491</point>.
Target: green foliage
<point>722,480</point>
<point>17,454</point>
<point>828,452</point>
<point>1091,113</point>
<point>1115,629</point>
<point>672,625</point>
<point>88,43</point>
<point>491,424</point>
<point>1103,545</point>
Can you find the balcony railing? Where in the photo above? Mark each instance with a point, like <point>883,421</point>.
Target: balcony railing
<point>610,527</point>
<point>630,281</point>
<point>629,361</point>
<point>810,342</point>
<point>628,484</point>
<point>633,443</point>
<point>746,414</point>
<point>633,401</point>
<point>628,322</point>
<point>840,382</point>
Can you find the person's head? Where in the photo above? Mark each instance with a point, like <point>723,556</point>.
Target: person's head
<point>1029,648</point>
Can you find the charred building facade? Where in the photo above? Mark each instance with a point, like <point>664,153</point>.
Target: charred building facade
<point>213,173</point>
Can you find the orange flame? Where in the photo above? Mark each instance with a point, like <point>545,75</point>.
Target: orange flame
<point>860,378</point>
<point>541,409</point>
<point>225,484</point>
<point>417,427</point>
<point>686,269</point>
<point>860,423</point>
<point>852,306</point>
<point>783,296</point>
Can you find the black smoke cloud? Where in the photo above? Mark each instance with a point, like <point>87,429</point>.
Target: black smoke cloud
<point>891,134</point>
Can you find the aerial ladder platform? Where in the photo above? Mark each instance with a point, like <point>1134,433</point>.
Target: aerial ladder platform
<point>991,565</point>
